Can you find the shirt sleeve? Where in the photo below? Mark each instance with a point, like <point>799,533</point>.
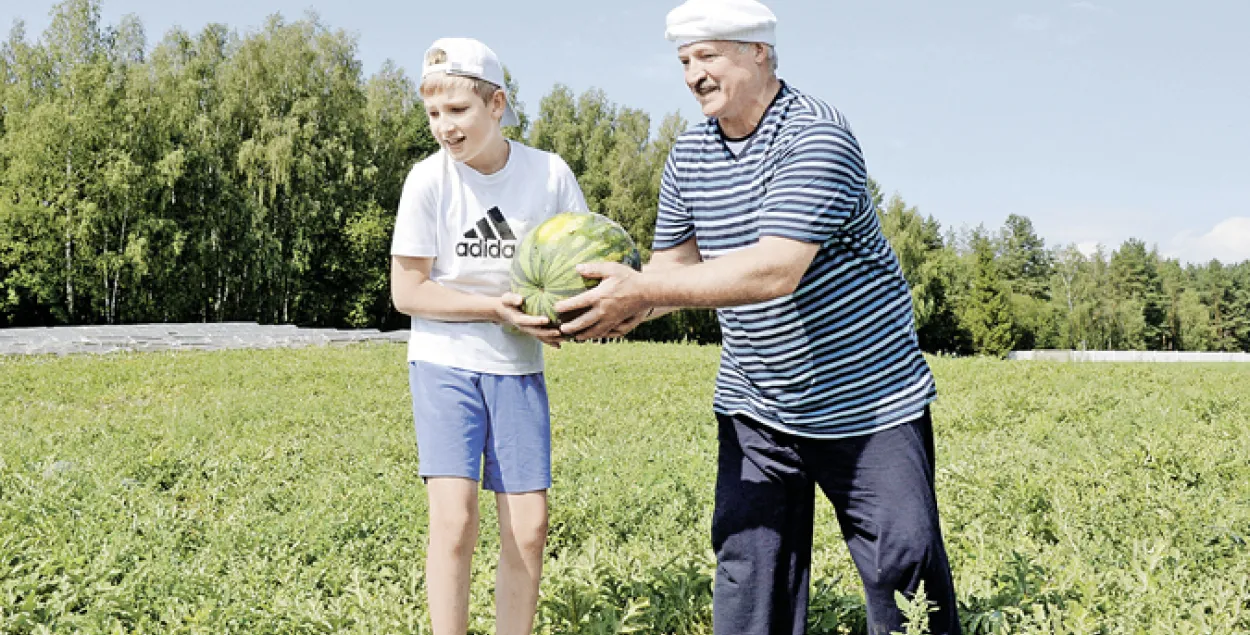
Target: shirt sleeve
<point>817,186</point>
<point>673,223</point>
<point>416,224</point>
<point>568,193</point>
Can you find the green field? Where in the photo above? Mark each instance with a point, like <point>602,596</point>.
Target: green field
<point>276,492</point>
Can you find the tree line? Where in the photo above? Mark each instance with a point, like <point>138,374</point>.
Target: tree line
<point>220,176</point>
<point>991,291</point>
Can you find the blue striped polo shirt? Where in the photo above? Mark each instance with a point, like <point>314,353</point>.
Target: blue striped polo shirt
<point>838,357</point>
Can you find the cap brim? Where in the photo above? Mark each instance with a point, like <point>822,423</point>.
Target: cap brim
<point>509,116</point>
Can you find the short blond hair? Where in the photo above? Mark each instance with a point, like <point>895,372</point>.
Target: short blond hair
<point>435,83</point>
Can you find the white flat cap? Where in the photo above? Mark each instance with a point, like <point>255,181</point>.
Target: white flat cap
<point>469,58</point>
<point>734,20</point>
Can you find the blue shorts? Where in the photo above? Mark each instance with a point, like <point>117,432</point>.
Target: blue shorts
<point>462,416</point>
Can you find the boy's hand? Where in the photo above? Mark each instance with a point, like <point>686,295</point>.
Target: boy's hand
<point>538,326</point>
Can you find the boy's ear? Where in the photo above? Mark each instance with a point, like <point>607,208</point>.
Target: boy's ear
<point>498,103</point>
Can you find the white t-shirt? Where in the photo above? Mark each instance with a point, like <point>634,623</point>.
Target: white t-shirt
<point>471,223</point>
<point>736,145</point>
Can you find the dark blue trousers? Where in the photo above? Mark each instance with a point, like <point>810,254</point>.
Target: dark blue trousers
<point>881,487</point>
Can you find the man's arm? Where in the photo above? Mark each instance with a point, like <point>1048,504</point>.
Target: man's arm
<point>662,261</point>
<point>683,255</point>
<point>666,261</point>
<point>771,268</point>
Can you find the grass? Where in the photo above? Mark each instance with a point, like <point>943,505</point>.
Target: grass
<point>276,492</point>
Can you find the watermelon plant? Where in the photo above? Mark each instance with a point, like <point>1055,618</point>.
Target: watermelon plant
<point>544,267</point>
<point>164,493</point>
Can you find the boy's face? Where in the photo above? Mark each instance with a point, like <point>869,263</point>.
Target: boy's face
<point>461,122</point>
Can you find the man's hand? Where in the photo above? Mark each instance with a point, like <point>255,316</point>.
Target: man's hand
<point>611,309</point>
<point>510,314</point>
<point>630,324</point>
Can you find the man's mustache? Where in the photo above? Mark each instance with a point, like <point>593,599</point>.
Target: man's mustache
<point>704,85</point>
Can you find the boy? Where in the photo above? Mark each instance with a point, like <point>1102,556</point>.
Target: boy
<point>475,360</point>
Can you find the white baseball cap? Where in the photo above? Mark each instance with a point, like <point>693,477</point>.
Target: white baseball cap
<point>733,20</point>
<point>469,58</point>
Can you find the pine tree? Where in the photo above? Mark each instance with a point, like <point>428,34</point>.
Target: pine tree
<point>988,313</point>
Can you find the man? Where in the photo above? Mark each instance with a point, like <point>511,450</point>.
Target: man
<point>764,214</point>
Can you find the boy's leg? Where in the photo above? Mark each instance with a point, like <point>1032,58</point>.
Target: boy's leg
<point>453,535</point>
<point>518,469</point>
<point>452,425</point>
<point>522,537</point>
<point>882,488</point>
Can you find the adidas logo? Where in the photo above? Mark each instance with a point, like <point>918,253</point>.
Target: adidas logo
<point>490,238</point>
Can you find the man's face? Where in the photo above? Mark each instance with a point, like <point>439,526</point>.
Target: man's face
<point>720,74</point>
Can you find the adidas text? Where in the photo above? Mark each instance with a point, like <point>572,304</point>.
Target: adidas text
<point>486,249</point>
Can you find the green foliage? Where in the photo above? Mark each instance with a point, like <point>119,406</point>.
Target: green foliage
<point>1135,277</point>
<point>987,311</point>
<point>619,166</point>
<point>223,176</point>
<point>930,270</point>
<point>1023,258</point>
<point>219,178</point>
<point>915,612</point>
<point>1132,299</point>
<point>697,326</point>
<point>165,493</point>
<point>610,150</point>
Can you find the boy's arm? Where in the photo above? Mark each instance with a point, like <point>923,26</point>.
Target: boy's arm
<point>415,294</point>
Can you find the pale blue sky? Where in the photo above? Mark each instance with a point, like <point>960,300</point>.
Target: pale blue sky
<point>1100,120</point>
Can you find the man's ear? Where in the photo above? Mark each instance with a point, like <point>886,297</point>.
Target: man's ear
<point>761,52</point>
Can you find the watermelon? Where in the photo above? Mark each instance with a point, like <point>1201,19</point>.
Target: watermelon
<point>543,268</point>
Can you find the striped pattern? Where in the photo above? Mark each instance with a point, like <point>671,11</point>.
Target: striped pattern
<point>838,357</point>
<point>493,226</point>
